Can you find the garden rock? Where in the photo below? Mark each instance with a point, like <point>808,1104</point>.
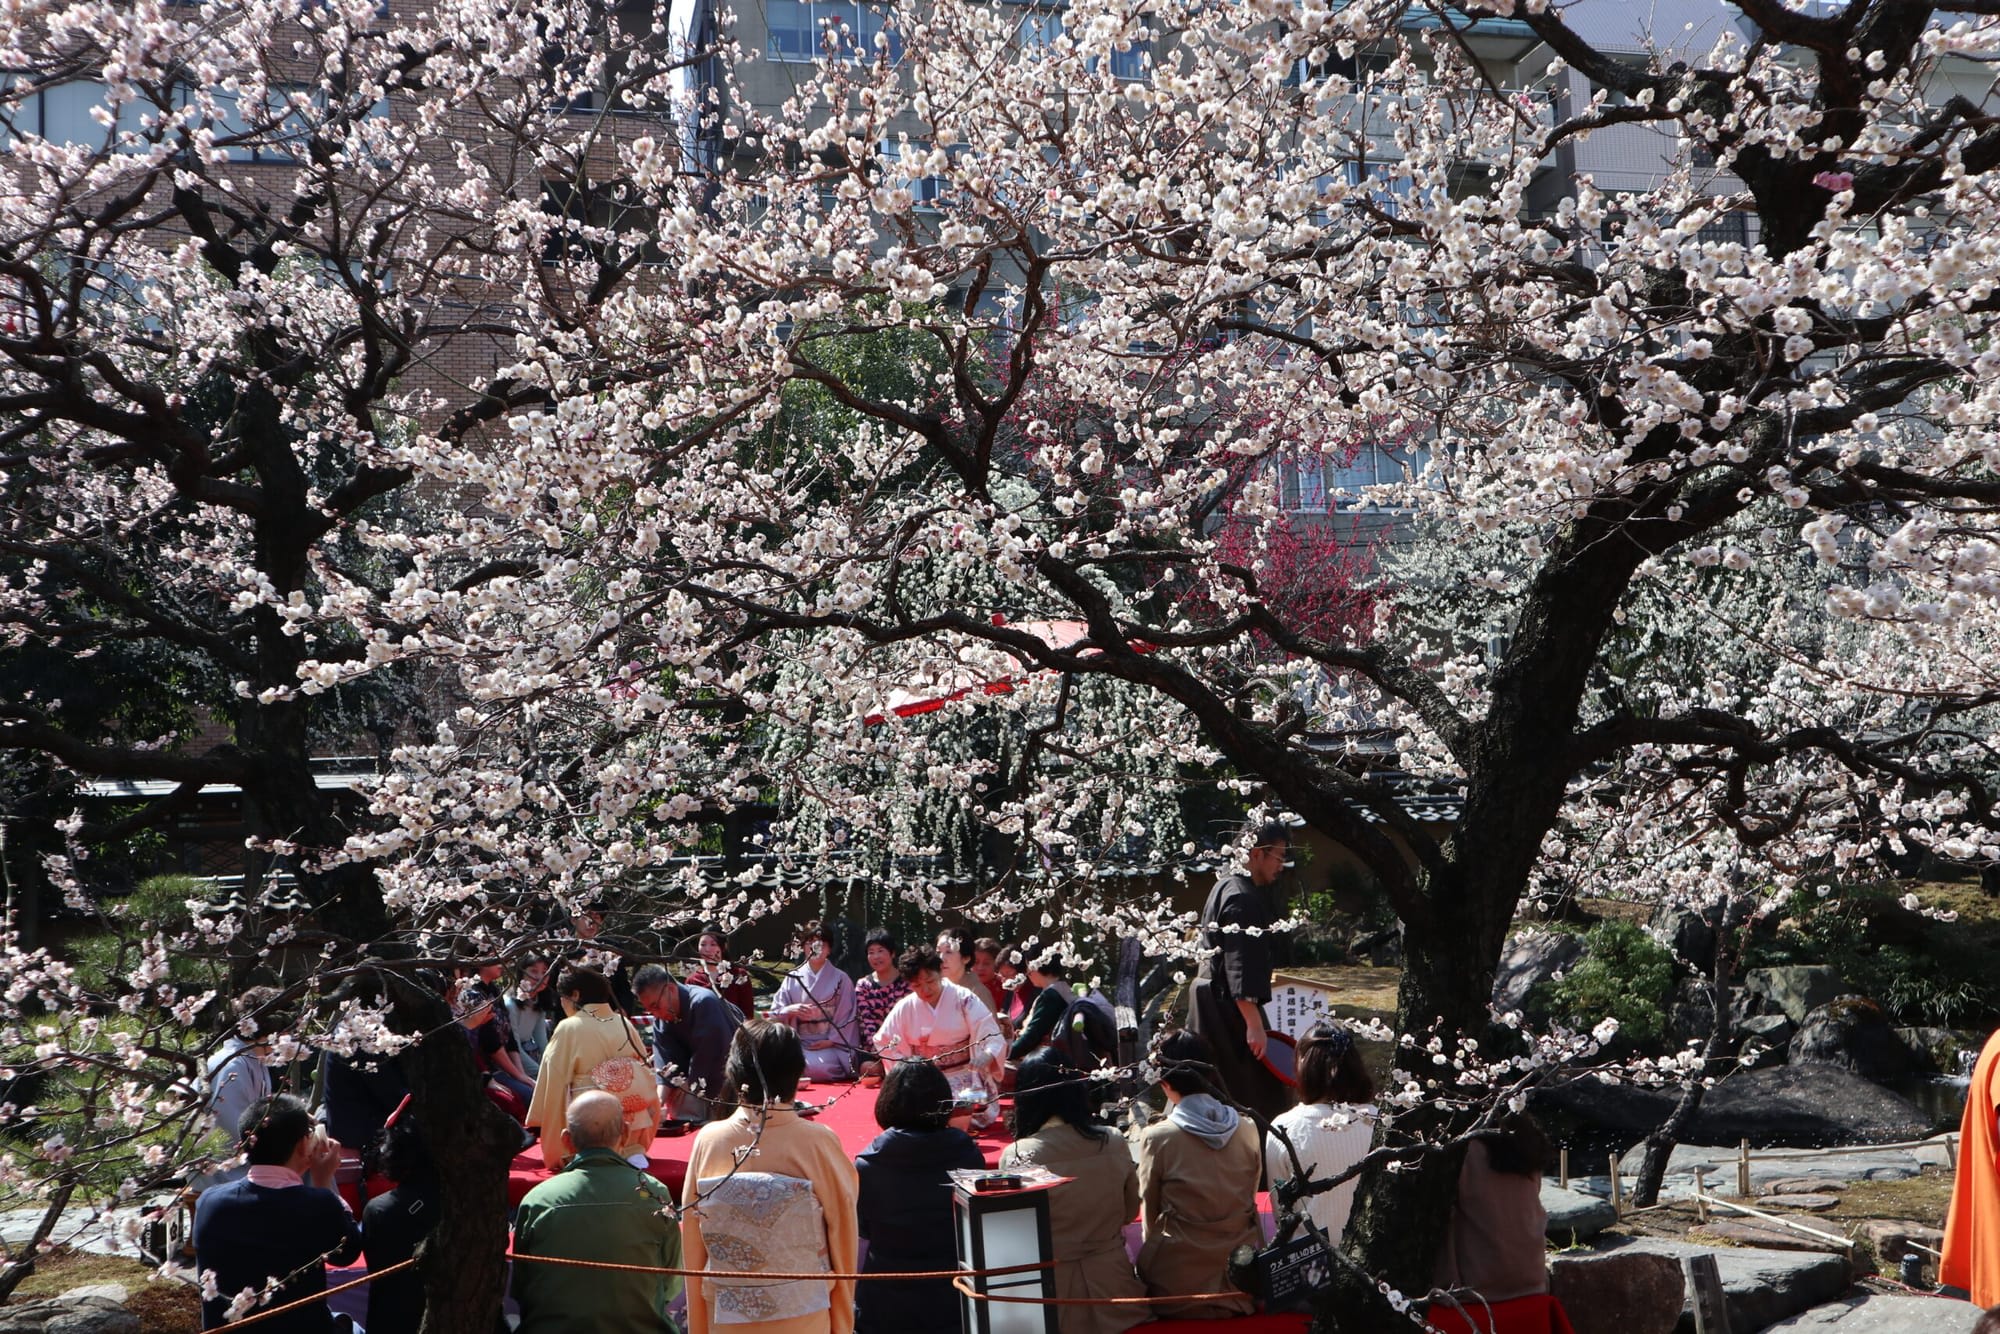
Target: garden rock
<point>1795,990</point>
<point>1805,1106</point>
<point>1892,1237</point>
<point>1690,1014</point>
<point>1771,1236</point>
<point>1792,1106</point>
<point>1806,1201</point>
<point>1852,1032</point>
<point>80,1315</point>
<point>1573,1215</point>
<point>1760,1286</point>
<point>1814,1185</point>
<point>1530,959</point>
<point>1883,1313</point>
<point>1690,932</point>
<point>1935,1050</point>
<point>1619,1294</point>
<point>1765,1039</point>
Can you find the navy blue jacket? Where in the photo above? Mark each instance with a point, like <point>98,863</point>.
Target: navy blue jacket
<point>697,1043</point>
<point>904,1209</point>
<point>251,1234</point>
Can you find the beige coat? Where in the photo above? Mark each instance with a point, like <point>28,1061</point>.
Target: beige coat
<point>1198,1204</point>
<point>581,1043</point>
<point>1087,1221</point>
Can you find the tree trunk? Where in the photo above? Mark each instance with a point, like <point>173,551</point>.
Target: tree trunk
<point>470,1141</point>
<point>1721,1045</point>
<point>1400,1218</point>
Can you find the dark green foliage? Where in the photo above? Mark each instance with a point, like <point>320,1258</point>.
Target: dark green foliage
<point>1922,971</point>
<point>1624,975</point>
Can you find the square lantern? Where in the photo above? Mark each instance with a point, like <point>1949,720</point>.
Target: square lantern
<point>997,1229</point>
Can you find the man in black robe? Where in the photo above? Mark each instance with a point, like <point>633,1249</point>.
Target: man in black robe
<point>1234,983</point>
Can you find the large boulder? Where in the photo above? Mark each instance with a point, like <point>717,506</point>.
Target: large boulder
<point>1794,1106</point>
<point>1764,1040</point>
<point>69,1315</point>
<point>1936,1050</point>
<point>1574,1216</point>
<point>1531,958</point>
<point>1805,1106</point>
<point>1689,931</point>
<point>1853,1033</point>
<point>1760,1287</point>
<point>1690,1014</point>
<point>1795,990</point>
<point>1619,1294</point>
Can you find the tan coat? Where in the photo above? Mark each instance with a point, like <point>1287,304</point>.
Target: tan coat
<point>594,1034</point>
<point>1087,1221</point>
<point>785,1145</point>
<point>1198,1204</point>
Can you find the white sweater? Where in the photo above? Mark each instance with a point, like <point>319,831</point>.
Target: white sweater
<point>1325,1150</point>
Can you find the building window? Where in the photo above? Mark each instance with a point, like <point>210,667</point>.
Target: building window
<point>1302,485</point>
<point>597,222</point>
<point>1727,227</point>
<point>799,28</point>
<point>1040,27</point>
<point>1387,192</point>
<point>929,190</point>
<point>69,114</point>
<point>1134,62</point>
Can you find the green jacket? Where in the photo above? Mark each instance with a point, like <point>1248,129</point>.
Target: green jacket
<point>598,1208</point>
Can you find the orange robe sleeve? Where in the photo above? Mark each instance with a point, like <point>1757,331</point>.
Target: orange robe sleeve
<point>1971,1258</point>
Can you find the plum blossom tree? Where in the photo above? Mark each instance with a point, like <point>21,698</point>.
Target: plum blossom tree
<point>1186,264</point>
<point>254,257</point>
<point>649,620</point>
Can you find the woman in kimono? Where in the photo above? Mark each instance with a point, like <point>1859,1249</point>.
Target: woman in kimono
<point>596,1047</point>
<point>817,1000</point>
<point>943,1023</point>
<point>769,1192</point>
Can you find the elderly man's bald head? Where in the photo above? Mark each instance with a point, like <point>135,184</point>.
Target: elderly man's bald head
<point>596,1121</point>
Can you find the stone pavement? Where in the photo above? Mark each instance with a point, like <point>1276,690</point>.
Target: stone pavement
<point>1878,1313</point>
<point>1761,1287</point>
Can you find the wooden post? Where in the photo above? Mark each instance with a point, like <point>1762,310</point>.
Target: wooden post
<point>1711,1311</point>
<point>1617,1190</point>
<point>1562,1167</point>
<point>1701,1194</point>
<point>1743,1170</point>
<point>1125,994</point>
<point>1951,1151</point>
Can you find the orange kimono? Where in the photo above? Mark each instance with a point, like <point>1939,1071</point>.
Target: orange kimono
<point>1972,1229</point>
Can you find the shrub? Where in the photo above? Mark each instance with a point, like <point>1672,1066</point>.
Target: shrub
<point>1624,974</point>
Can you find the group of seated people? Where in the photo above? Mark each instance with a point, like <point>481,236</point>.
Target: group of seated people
<point>777,1193</point>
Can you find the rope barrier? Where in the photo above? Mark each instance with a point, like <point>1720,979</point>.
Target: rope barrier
<point>318,1296</point>
<point>903,1276</point>
<point>655,1269</point>
<point>959,1283</point>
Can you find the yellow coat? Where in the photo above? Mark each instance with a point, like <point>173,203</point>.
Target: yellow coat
<point>571,1065</point>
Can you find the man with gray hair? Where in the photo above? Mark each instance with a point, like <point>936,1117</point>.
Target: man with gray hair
<point>600,1208</point>
<point>692,1030</point>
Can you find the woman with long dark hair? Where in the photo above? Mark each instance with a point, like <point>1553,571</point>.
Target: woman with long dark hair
<point>1054,1129</point>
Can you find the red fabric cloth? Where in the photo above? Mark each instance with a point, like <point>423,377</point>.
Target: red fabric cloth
<point>1540,1314</point>
<point>851,1116</point>
<point>1286,1323</point>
